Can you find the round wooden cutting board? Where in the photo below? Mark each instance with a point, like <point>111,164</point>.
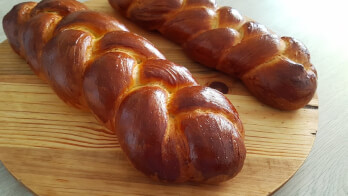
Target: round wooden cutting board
<point>58,150</point>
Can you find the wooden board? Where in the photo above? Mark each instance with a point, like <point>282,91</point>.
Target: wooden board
<point>58,150</point>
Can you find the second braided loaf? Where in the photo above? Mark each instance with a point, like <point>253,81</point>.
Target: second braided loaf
<point>277,70</point>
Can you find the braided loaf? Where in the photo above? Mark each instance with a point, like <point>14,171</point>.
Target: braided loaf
<point>277,70</point>
<point>170,128</point>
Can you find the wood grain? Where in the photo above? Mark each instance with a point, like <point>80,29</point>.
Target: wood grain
<point>58,150</point>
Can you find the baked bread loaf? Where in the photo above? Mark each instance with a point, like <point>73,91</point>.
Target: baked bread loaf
<point>277,70</point>
<point>170,128</point>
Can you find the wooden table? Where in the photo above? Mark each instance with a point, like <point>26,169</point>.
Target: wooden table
<point>321,27</point>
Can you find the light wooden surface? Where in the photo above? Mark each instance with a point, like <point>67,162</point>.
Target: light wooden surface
<point>324,172</point>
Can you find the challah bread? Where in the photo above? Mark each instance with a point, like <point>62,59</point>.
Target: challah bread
<point>277,70</point>
<point>170,128</point>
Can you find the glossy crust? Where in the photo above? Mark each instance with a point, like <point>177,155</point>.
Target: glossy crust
<point>277,70</point>
<point>170,128</point>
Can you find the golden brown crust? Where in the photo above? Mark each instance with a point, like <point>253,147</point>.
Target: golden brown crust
<point>166,73</point>
<point>141,122</point>
<point>64,61</point>
<point>19,15</point>
<point>185,24</point>
<point>92,62</point>
<point>206,48</point>
<point>35,35</point>
<point>128,41</point>
<point>96,23</point>
<point>151,19</point>
<point>62,7</point>
<point>219,159</point>
<point>99,83</point>
<point>223,39</point>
